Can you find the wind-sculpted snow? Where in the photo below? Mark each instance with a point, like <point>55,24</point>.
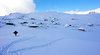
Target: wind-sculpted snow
<point>5,48</point>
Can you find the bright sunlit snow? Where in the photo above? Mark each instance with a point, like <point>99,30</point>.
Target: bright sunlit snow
<point>50,33</point>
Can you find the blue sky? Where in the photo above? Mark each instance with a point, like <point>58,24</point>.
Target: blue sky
<point>66,5</point>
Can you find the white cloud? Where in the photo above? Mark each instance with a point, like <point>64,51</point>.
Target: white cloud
<point>13,6</point>
<point>83,12</point>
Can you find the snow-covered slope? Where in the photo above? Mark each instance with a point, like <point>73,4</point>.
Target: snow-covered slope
<point>51,33</point>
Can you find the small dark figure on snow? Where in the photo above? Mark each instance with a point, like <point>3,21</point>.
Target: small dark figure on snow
<point>15,32</point>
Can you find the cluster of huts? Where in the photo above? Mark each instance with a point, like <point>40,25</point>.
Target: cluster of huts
<point>42,23</point>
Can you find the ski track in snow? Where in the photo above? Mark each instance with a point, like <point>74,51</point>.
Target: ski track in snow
<point>34,47</point>
<point>4,51</point>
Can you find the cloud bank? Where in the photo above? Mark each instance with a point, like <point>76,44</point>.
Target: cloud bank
<point>83,12</point>
<point>13,6</point>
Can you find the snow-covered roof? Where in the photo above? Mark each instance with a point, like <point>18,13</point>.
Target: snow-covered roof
<point>80,28</point>
<point>33,25</point>
<point>90,24</point>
